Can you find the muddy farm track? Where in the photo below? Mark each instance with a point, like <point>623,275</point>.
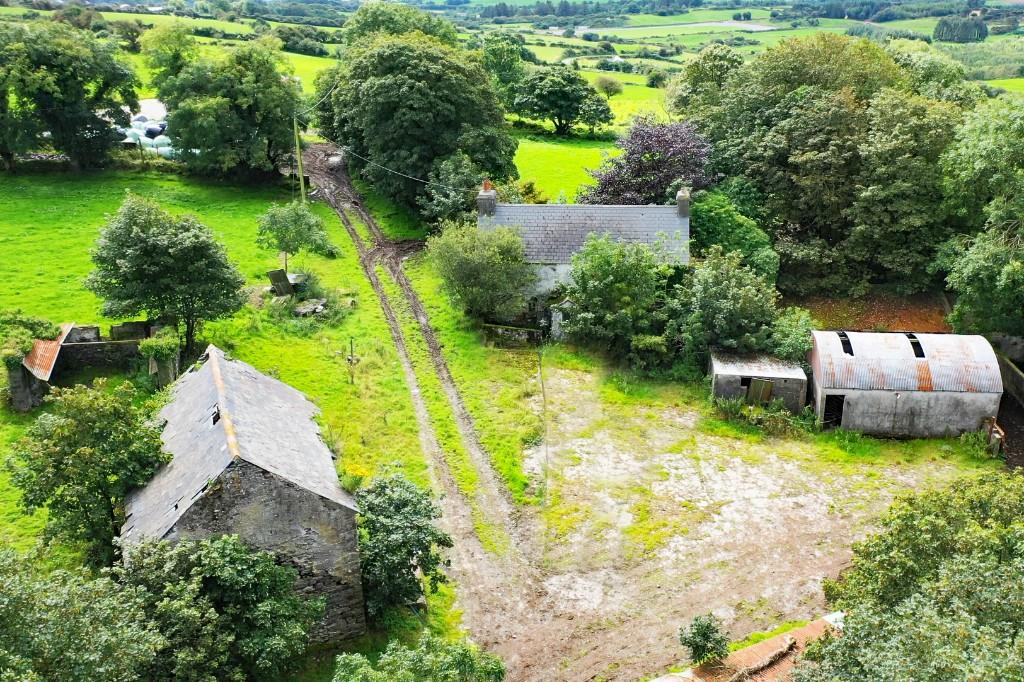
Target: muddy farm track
<point>504,606</point>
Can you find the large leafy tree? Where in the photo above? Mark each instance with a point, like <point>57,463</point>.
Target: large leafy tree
<point>432,660</point>
<point>485,271</point>
<point>66,82</point>
<point>935,594</point>
<point>557,94</point>
<point>393,18</point>
<point>232,114</point>
<point>701,82</point>
<point>228,612</point>
<point>168,49</point>
<point>172,269</point>
<point>66,626</point>
<point>400,548</point>
<point>80,459</point>
<point>503,59</point>
<point>717,222</point>
<point>401,104</point>
<point>656,160</point>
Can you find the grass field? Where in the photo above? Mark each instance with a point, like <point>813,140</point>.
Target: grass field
<point>1014,85</point>
<point>695,16</point>
<point>370,422</point>
<point>559,164</point>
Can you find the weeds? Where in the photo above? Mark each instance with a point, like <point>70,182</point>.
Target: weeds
<point>774,418</point>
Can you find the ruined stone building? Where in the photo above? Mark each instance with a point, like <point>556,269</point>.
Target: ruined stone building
<point>552,233</point>
<point>904,384</point>
<point>248,460</point>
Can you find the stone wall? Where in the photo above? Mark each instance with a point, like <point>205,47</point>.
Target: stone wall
<point>316,536</point>
<point>75,356</point>
<point>26,391</point>
<point>792,392</point>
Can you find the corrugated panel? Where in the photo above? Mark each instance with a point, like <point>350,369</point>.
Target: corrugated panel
<point>43,357</point>
<point>887,362</point>
<point>755,366</point>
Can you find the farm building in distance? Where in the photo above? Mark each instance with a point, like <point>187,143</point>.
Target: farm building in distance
<point>249,461</point>
<point>758,379</point>
<point>913,385</point>
<point>552,233</point>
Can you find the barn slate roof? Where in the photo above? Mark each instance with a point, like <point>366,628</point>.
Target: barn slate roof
<point>41,360</point>
<point>887,362</point>
<point>552,233</point>
<point>221,412</point>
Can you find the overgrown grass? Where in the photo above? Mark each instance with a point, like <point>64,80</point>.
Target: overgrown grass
<point>760,636</point>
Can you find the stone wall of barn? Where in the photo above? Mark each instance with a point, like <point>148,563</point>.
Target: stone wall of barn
<point>314,535</point>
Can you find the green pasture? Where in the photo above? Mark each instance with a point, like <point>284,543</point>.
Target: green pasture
<point>695,16</point>
<point>560,164</point>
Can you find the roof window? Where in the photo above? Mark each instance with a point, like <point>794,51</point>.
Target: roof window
<point>915,343</point>
<point>845,340</point>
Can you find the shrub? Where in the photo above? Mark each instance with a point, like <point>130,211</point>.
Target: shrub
<point>161,346</point>
<point>484,271</point>
<point>433,660</point>
<point>791,334</point>
<point>704,639</point>
<point>291,228</point>
<point>17,334</point>
<point>717,221</point>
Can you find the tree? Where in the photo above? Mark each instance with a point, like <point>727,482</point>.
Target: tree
<point>615,291</point>
<point>703,78</point>
<point>452,189</point>
<point>960,30</point>
<point>66,82</point>
<point>168,49</point>
<point>656,159</point>
<point>374,19</point>
<point>608,86</point>
<point>228,612</point>
<point>484,271</point>
<point>66,626</point>
<point>129,33</point>
<point>400,548</point>
<point>556,94</point>
<point>934,592</point>
<point>172,269</point>
<point>433,660</point>
<point>400,104</point>
<point>791,334</point>
<point>80,459</point>
<point>987,274</point>
<point>717,222</point>
<point>290,228</point>
<point>723,304</point>
<point>704,639</point>
<point>595,112</point>
<point>233,114</point>
<point>657,79</point>
<point>503,59</point>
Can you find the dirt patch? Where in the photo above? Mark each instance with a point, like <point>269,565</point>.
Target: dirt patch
<point>879,312</point>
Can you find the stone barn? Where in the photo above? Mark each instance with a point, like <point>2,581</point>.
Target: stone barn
<point>552,233</point>
<point>758,379</point>
<point>904,385</point>
<point>248,460</point>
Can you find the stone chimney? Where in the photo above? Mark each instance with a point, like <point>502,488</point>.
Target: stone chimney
<point>487,200</point>
<point>683,202</point>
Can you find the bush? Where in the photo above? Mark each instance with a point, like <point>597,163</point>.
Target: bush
<point>18,332</point>
<point>614,294</point>
<point>791,334</point>
<point>704,639</point>
<point>484,271</point>
<point>774,418</point>
<point>433,660</point>
<point>717,221</point>
<point>161,346</point>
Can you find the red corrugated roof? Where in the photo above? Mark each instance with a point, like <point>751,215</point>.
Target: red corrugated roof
<point>43,356</point>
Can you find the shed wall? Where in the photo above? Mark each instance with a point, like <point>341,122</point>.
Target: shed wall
<point>913,414</point>
<point>315,535</point>
<point>792,392</point>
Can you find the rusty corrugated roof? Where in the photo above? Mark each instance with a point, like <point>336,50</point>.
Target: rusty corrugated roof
<point>887,362</point>
<point>43,356</point>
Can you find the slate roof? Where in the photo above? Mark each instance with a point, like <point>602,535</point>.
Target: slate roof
<point>755,366</point>
<point>887,362</point>
<point>552,233</point>
<point>41,360</point>
<point>223,411</point>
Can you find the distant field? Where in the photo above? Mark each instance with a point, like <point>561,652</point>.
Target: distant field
<point>155,19</point>
<point>694,16</point>
<point>559,164</point>
<point>922,25</point>
<point>1015,85</point>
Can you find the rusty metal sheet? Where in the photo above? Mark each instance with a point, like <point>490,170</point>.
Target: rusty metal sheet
<point>43,357</point>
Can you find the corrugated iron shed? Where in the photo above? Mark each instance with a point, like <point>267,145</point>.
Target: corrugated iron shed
<point>889,362</point>
<point>41,360</point>
<point>223,411</point>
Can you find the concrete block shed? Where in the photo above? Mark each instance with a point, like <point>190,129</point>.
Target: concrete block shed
<point>758,379</point>
<point>905,384</point>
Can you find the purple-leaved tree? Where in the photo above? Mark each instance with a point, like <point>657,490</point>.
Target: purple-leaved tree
<point>656,159</point>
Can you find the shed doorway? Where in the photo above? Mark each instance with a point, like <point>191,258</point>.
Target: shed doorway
<point>832,416</point>
<point>759,391</point>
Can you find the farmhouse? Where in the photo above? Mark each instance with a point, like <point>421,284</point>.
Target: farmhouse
<point>248,460</point>
<point>913,385</point>
<point>758,379</point>
<point>552,233</point>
